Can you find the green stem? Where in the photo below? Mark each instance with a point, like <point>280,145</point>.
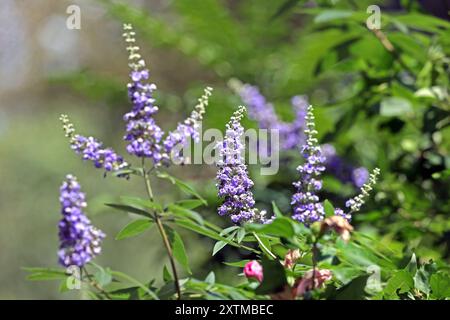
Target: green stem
<point>95,284</point>
<point>163,233</point>
<point>263,247</point>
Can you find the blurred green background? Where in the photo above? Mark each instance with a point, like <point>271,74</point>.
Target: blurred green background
<point>378,106</point>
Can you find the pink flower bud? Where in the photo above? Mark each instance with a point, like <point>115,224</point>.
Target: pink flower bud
<point>253,270</point>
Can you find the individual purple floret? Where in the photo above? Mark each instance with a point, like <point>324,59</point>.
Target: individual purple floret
<point>92,149</point>
<point>305,202</point>
<point>80,242</point>
<point>189,128</point>
<point>233,182</point>
<point>142,133</point>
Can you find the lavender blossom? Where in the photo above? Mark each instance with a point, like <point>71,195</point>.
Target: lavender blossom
<point>291,134</point>
<point>189,128</point>
<point>92,149</point>
<point>233,182</point>
<point>80,242</point>
<point>306,205</point>
<point>142,132</point>
<point>355,203</point>
<point>341,169</point>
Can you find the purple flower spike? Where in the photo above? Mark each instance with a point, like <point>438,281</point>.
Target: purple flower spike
<point>92,149</point>
<point>142,133</point>
<point>305,202</point>
<point>189,128</point>
<point>260,110</point>
<point>80,242</point>
<point>233,182</point>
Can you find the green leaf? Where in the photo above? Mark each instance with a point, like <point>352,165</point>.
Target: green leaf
<point>182,185</point>
<point>228,230</point>
<point>210,278</point>
<point>119,274</point>
<point>203,230</point>
<point>395,106</point>
<point>400,282</point>
<point>179,252</point>
<point>240,235</point>
<point>274,277</point>
<point>128,171</point>
<point>130,209</point>
<point>141,203</point>
<point>184,212</point>
<point>134,228</point>
<point>103,276</point>
<point>189,203</point>
<point>281,226</point>
<point>276,210</point>
<point>329,209</point>
<point>412,265</point>
<point>440,285</point>
<point>285,7</point>
<point>330,15</point>
<point>43,274</point>
<point>218,246</point>
<point>239,264</point>
<point>354,290</point>
<point>166,274</point>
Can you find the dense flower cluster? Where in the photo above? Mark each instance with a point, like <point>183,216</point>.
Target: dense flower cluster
<point>306,205</point>
<point>92,149</point>
<point>144,136</point>
<point>291,134</point>
<point>233,182</point>
<point>142,132</point>
<point>79,240</point>
<point>342,169</point>
<point>188,128</point>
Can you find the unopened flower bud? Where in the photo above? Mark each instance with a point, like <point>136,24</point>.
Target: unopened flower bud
<point>253,269</point>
